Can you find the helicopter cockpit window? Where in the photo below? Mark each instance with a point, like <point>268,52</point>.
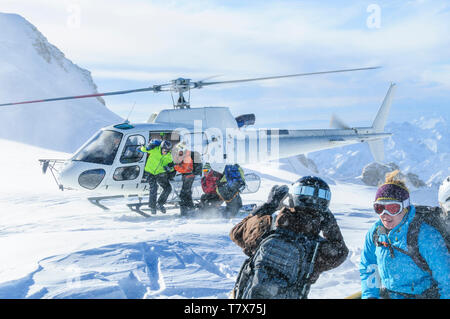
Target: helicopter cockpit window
<point>130,152</point>
<point>101,149</point>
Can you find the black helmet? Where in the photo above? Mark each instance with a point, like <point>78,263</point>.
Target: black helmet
<point>166,145</point>
<point>311,192</point>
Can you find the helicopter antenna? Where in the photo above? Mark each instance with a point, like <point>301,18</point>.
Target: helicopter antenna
<point>132,108</point>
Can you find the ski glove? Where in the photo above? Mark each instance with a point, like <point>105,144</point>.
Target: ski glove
<point>277,195</point>
<point>168,169</point>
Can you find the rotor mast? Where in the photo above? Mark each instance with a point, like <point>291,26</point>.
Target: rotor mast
<point>180,86</point>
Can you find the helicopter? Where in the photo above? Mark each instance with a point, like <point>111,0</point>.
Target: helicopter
<point>109,165</point>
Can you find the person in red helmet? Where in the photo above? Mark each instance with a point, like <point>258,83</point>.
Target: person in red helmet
<point>210,199</point>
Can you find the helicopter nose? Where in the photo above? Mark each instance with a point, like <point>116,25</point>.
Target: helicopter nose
<point>78,175</point>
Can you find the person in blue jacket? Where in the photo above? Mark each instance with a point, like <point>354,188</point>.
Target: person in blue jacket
<point>387,269</point>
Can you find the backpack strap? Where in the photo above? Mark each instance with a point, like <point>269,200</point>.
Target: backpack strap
<point>412,240</point>
<point>423,215</point>
<point>429,216</point>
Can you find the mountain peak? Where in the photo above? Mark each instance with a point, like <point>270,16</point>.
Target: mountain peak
<point>32,68</point>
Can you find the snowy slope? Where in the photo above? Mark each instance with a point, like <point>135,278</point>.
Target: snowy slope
<point>57,245</point>
<point>32,69</point>
<point>421,147</point>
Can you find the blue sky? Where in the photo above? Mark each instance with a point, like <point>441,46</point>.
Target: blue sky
<point>138,43</point>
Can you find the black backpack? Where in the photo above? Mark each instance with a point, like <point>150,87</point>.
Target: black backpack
<point>280,268</point>
<point>428,215</point>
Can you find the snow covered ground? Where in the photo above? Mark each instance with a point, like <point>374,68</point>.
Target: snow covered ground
<point>57,245</point>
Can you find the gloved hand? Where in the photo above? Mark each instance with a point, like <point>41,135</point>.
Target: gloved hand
<point>139,148</point>
<point>171,175</point>
<point>277,195</point>
<point>167,169</point>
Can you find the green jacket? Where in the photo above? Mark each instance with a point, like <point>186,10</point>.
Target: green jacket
<point>156,161</point>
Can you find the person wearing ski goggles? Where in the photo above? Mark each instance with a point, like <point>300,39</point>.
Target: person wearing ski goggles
<point>405,267</point>
<point>391,211</point>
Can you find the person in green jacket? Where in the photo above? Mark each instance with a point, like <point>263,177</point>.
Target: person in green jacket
<point>159,166</point>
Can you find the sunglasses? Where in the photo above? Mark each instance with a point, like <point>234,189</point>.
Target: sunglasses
<point>391,208</point>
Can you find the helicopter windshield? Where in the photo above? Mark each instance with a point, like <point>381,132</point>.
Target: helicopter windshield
<point>102,148</point>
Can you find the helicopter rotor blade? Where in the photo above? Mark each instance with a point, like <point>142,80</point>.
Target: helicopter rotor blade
<point>201,83</point>
<point>155,88</point>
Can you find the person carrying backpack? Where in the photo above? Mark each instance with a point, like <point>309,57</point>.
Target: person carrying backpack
<point>210,198</point>
<point>286,252</point>
<point>229,188</point>
<point>188,166</point>
<point>406,252</point>
<point>159,166</point>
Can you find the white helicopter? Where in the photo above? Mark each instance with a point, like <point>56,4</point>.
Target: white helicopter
<point>110,166</point>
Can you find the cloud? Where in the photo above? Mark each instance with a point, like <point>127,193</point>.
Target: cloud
<point>264,37</point>
<point>148,41</point>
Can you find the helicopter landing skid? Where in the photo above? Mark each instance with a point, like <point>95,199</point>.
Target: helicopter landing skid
<point>136,207</point>
<point>96,200</point>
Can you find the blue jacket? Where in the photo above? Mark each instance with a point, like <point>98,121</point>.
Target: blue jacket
<point>401,274</point>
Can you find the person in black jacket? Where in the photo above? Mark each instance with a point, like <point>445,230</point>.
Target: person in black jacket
<point>307,216</point>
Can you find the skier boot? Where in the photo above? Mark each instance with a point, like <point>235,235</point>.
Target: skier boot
<point>161,208</point>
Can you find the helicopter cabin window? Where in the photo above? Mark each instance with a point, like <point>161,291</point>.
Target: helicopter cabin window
<point>126,173</point>
<point>130,152</point>
<point>101,149</point>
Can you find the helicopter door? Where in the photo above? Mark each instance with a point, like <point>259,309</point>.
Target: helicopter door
<point>130,166</point>
<point>197,141</point>
<point>173,137</point>
<point>214,148</point>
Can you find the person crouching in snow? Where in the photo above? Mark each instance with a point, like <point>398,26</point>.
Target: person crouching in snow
<point>229,188</point>
<point>210,199</point>
<point>286,252</point>
<point>405,254</point>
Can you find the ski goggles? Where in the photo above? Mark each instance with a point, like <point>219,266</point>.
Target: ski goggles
<point>311,191</point>
<point>392,208</point>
